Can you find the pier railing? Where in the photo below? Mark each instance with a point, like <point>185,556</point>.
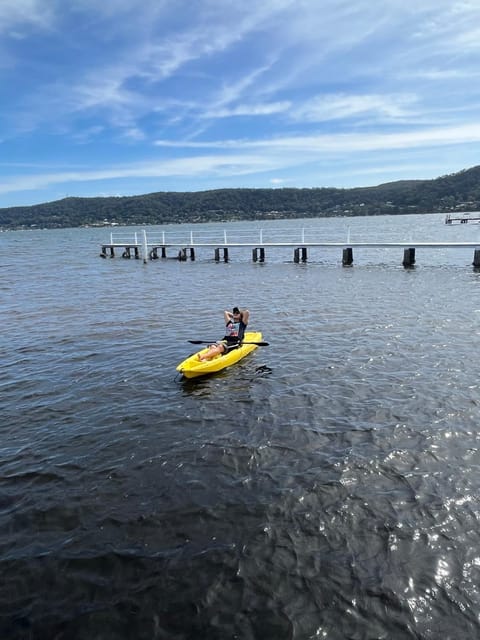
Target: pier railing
<point>213,238</point>
<point>147,244</point>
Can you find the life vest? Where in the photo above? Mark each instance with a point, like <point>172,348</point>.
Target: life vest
<point>235,330</point>
<point>232,329</point>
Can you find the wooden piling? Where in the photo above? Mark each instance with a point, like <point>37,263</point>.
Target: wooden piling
<point>476,259</point>
<point>409,257</point>
<point>258,254</point>
<point>225,254</point>
<point>347,257</point>
<point>127,253</point>
<point>103,253</point>
<point>300,253</point>
<point>154,253</point>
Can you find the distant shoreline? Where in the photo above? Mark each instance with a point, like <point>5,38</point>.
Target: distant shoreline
<point>451,194</point>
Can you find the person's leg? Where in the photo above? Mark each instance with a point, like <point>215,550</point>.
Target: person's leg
<point>214,350</point>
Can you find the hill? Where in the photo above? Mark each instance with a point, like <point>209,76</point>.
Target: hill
<point>449,193</point>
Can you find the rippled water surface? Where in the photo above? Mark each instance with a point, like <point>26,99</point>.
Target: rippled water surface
<point>325,487</point>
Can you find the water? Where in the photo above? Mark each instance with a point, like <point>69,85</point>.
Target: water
<point>325,487</point>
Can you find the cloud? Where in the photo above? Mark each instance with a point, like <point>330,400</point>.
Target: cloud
<point>248,110</point>
<point>198,165</point>
<point>241,158</point>
<point>220,88</point>
<point>344,142</point>
<point>339,106</point>
<point>122,82</point>
<point>288,40</point>
<point>16,14</point>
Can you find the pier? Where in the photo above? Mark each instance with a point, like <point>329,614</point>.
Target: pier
<point>449,219</point>
<point>156,245</point>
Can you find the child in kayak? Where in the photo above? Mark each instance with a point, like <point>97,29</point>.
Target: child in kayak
<point>236,322</point>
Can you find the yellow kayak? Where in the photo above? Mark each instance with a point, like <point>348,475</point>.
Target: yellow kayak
<point>192,367</point>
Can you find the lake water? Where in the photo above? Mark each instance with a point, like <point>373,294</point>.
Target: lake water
<point>325,487</point>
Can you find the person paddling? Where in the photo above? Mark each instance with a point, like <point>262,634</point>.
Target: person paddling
<point>236,322</point>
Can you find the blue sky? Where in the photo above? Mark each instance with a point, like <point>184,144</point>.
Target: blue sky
<point>124,97</point>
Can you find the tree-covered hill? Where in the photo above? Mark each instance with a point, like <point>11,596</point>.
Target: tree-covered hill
<point>450,193</point>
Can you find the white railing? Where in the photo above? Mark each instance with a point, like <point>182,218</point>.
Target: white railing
<point>262,237</point>
<point>147,242</point>
<point>218,237</point>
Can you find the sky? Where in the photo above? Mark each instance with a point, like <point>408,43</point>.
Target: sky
<point>127,97</point>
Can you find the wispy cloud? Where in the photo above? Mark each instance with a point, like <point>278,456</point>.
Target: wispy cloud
<point>264,109</point>
<point>18,14</point>
<point>240,157</point>
<point>245,93</point>
<point>340,106</point>
<point>345,142</point>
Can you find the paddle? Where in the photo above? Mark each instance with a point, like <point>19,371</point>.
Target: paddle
<point>259,344</point>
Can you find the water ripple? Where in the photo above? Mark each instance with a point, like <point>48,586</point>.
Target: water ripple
<point>327,486</point>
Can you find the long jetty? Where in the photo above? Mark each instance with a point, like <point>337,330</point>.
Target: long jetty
<point>154,245</point>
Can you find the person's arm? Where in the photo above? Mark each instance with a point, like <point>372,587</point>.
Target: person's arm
<point>228,315</point>
<point>244,316</point>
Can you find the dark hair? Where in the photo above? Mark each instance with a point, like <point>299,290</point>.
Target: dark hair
<point>236,310</point>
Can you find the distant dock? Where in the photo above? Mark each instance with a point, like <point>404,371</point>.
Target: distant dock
<point>183,246</point>
<point>449,219</point>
